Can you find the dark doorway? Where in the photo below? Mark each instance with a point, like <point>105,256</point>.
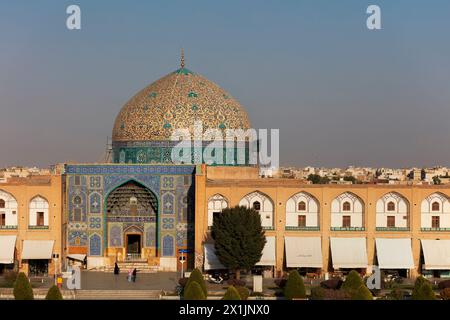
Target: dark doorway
<point>133,244</point>
<point>38,268</point>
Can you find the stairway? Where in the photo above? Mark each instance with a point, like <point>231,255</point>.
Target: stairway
<point>117,294</point>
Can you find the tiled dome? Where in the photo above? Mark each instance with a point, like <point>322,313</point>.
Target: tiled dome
<point>175,102</point>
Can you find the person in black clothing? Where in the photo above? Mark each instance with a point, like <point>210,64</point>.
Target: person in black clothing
<point>134,274</point>
<point>116,268</point>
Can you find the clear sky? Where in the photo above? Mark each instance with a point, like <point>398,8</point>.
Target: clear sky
<point>339,93</point>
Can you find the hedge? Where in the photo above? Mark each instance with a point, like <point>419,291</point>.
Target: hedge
<point>22,288</point>
<point>197,276</point>
<point>54,294</point>
<point>193,291</point>
<point>231,294</point>
<point>295,287</point>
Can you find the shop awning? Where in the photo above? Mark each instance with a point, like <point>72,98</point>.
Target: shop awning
<point>436,254</point>
<point>78,257</point>
<point>7,245</point>
<point>303,252</point>
<point>394,253</point>
<point>211,260</point>
<point>37,249</point>
<point>349,252</point>
<point>268,256</point>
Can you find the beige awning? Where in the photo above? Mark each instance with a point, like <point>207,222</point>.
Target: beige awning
<point>78,257</point>
<point>211,260</point>
<point>37,249</point>
<point>268,256</point>
<point>436,254</point>
<point>349,252</point>
<point>394,253</point>
<point>7,246</point>
<point>303,252</point>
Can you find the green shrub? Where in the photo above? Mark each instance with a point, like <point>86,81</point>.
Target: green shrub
<point>197,276</point>
<point>243,292</point>
<point>231,294</point>
<point>317,293</point>
<point>362,293</point>
<point>22,288</point>
<point>295,287</point>
<point>193,291</point>
<point>425,292</point>
<point>352,283</point>
<point>418,283</point>
<point>54,294</point>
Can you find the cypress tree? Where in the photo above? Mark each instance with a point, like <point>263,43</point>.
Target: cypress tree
<point>54,294</point>
<point>231,294</point>
<point>196,276</point>
<point>194,291</point>
<point>239,238</point>
<point>295,288</point>
<point>22,288</point>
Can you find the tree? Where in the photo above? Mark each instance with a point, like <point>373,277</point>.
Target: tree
<point>231,294</point>
<point>22,288</point>
<point>239,238</point>
<point>352,282</point>
<point>420,281</point>
<point>295,288</point>
<point>436,180</point>
<point>424,292</point>
<point>193,291</point>
<point>54,294</point>
<point>350,178</point>
<point>362,293</point>
<point>317,179</point>
<point>197,276</point>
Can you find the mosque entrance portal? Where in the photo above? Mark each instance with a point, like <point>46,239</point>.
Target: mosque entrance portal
<point>133,245</point>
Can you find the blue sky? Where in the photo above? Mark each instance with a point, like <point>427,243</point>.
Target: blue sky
<point>339,93</point>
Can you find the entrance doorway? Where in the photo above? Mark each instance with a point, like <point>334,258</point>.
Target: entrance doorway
<point>133,246</point>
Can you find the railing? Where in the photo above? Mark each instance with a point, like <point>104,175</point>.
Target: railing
<point>133,257</point>
<point>8,227</point>
<point>392,228</point>
<point>38,227</point>
<point>434,229</point>
<point>268,228</point>
<point>297,228</point>
<point>347,229</point>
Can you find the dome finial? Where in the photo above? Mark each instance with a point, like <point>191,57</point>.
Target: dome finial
<point>182,58</point>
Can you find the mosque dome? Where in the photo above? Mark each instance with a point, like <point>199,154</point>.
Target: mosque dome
<point>144,126</point>
<point>176,101</point>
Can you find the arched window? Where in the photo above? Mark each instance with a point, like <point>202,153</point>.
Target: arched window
<point>391,206</point>
<point>216,204</point>
<point>435,206</point>
<point>38,211</point>
<point>261,203</point>
<point>2,204</point>
<point>302,206</point>
<point>346,206</point>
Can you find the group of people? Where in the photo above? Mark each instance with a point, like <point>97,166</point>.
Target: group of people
<point>132,273</point>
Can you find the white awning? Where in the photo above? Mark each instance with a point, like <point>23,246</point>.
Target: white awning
<point>394,253</point>
<point>436,254</point>
<point>78,257</point>
<point>37,249</point>
<point>7,246</point>
<point>303,252</point>
<point>349,252</point>
<point>268,256</point>
<point>211,260</point>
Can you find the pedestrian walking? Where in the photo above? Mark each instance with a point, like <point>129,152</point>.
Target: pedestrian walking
<point>116,269</point>
<point>134,274</point>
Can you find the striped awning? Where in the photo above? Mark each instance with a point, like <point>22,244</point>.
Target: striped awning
<point>7,246</point>
<point>37,249</point>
